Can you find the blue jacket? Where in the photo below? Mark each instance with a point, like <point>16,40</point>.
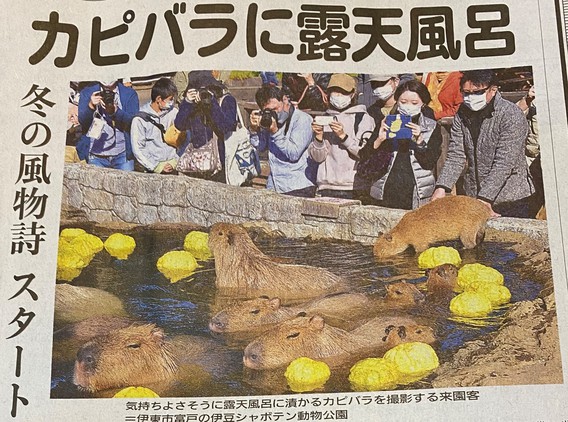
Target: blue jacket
<point>123,116</point>
<point>291,168</point>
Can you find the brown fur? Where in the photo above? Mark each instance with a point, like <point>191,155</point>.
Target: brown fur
<point>405,334</point>
<point>448,218</point>
<point>312,337</point>
<point>265,312</point>
<point>241,267</point>
<point>442,278</point>
<point>143,355</point>
<point>76,303</point>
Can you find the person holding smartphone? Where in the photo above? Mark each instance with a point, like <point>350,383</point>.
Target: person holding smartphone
<point>338,137</point>
<point>407,180</point>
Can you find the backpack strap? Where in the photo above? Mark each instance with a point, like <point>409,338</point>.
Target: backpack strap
<point>358,118</point>
<point>147,117</point>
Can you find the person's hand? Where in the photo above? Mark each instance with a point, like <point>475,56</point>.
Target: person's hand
<point>168,168</point>
<point>308,77</point>
<point>96,99</point>
<point>318,131</point>
<point>488,205</point>
<point>438,193</point>
<point>382,134</point>
<point>416,132</point>
<point>254,120</point>
<point>192,96</point>
<point>337,128</point>
<point>274,126</point>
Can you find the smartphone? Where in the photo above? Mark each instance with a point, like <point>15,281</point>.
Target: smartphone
<point>324,120</point>
<point>397,126</point>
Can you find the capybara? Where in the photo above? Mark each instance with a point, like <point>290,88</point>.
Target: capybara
<point>142,355</point>
<point>396,335</point>
<point>442,278</point>
<point>312,337</point>
<point>68,340</point>
<point>76,303</point>
<point>245,270</point>
<point>449,218</point>
<point>264,312</point>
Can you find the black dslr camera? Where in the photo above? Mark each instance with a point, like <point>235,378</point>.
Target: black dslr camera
<point>266,117</point>
<point>108,96</point>
<point>206,96</point>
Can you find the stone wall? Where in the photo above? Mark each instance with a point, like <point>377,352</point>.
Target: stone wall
<point>144,198</point>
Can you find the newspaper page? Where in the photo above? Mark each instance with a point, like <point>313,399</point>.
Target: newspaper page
<point>160,264</point>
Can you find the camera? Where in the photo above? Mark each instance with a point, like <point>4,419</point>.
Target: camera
<point>206,96</point>
<point>266,117</point>
<point>108,96</point>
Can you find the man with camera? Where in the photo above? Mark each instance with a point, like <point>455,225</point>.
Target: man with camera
<point>286,132</point>
<point>105,111</point>
<point>207,110</point>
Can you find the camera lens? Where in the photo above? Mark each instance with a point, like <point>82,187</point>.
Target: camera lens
<point>266,118</point>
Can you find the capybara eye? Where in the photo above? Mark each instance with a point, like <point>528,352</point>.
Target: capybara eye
<point>398,292</point>
<point>419,331</point>
<point>255,311</point>
<point>301,314</point>
<point>134,346</point>
<point>293,335</point>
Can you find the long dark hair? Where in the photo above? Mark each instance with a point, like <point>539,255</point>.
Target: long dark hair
<point>414,86</point>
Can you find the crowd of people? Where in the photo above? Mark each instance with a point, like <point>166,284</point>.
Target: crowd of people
<point>376,138</point>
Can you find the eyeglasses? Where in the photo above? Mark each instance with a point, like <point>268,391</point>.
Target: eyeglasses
<point>477,92</point>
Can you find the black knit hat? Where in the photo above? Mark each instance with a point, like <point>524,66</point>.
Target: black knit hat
<point>202,78</point>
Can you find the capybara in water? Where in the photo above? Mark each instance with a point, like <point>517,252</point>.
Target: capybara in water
<point>396,335</point>
<point>442,278</point>
<point>76,303</point>
<point>142,355</point>
<point>265,312</point>
<point>242,268</point>
<point>262,313</point>
<point>449,218</point>
<point>312,337</point>
<point>68,340</point>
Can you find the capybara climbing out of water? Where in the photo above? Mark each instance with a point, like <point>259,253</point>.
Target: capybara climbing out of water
<point>241,267</point>
<point>312,337</point>
<point>442,278</point>
<point>76,303</point>
<point>449,218</point>
<point>142,355</point>
<point>265,312</point>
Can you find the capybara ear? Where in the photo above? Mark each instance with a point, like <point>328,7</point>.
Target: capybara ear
<point>317,321</point>
<point>158,334</point>
<point>274,303</point>
<point>388,237</point>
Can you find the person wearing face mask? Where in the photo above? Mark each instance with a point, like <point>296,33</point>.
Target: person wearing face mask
<point>488,134</point>
<point>406,180</point>
<point>286,133</point>
<point>116,105</point>
<point>207,108</point>
<point>336,145</point>
<point>149,126</point>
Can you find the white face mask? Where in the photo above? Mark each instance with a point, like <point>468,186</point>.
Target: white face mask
<point>408,109</point>
<point>475,102</point>
<point>168,105</point>
<point>383,92</point>
<point>339,101</point>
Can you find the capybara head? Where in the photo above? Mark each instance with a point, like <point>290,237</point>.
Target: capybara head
<point>226,238</point>
<point>403,293</point>
<point>301,336</point>
<point>135,355</point>
<point>395,335</point>
<point>388,245</point>
<point>247,315</point>
<point>443,277</point>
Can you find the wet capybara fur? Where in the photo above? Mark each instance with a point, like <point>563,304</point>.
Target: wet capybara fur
<point>312,337</point>
<point>243,269</point>
<point>68,340</point>
<point>141,354</point>
<point>442,278</point>
<point>262,313</point>
<point>449,218</point>
<point>76,303</point>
